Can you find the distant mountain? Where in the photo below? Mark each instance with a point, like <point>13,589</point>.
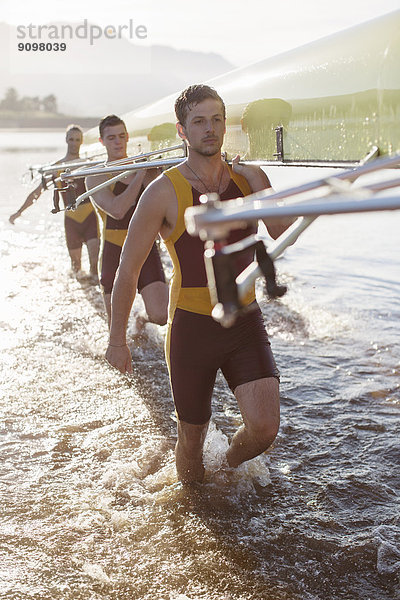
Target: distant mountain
<point>112,75</point>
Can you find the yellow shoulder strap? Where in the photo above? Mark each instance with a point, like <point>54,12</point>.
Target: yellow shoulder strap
<point>240,181</point>
<point>184,195</point>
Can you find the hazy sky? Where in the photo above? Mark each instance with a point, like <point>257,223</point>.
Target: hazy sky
<point>241,31</point>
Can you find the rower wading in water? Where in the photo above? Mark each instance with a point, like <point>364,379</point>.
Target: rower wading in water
<point>196,346</point>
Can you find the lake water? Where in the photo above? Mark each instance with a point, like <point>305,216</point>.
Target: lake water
<point>90,505</point>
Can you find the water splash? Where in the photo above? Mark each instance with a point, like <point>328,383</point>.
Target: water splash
<point>241,480</point>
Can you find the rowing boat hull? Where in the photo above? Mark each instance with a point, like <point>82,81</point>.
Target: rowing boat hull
<point>333,101</point>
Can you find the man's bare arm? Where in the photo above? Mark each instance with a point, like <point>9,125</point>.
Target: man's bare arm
<point>145,225</point>
<point>258,180</point>
<point>32,197</point>
<point>116,206</point>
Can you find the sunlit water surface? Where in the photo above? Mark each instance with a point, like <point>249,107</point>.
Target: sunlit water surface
<point>91,508</point>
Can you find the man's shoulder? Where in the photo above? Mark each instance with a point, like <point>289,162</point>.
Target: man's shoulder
<point>160,186</point>
<point>65,159</point>
<point>253,177</point>
<point>93,180</point>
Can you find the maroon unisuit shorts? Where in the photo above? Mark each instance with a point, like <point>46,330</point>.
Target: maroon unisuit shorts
<point>199,346</point>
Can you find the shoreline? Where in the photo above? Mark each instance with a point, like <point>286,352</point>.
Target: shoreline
<point>16,121</point>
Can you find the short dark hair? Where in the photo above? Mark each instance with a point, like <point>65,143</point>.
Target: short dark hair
<point>192,96</point>
<point>73,127</point>
<point>109,121</point>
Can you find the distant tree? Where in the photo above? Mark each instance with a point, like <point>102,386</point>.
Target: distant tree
<point>10,100</point>
<point>36,102</point>
<point>49,104</point>
<point>28,103</point>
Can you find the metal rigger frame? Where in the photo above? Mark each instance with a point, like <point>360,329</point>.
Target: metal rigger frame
<point>122,167</point>
<point>213,221</point>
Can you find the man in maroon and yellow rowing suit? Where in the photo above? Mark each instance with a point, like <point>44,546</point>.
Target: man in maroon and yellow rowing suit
<point>194,366</point>
<point>80,225</point>
<point>196,345</point>
<point>115,205</point>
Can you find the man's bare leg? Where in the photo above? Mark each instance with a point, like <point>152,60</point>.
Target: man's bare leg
<point>189,452</point>
<point>93,253</point>
<point>107,306</point>
<point>259,404</point>
<point>155,299</point>
<point>75,255</point>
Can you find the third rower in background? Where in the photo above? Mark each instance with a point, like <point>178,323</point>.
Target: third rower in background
<point>80,224</point>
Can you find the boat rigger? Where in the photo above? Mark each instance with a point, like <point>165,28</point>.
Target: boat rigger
<point>213,221</point>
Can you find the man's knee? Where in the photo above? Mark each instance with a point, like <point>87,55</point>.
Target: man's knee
<point>93,245</point>
<point>263,431</point>
<point>259,404</point>
<point>191,437</point>
<point>158,315</point>
<point>155,298</point>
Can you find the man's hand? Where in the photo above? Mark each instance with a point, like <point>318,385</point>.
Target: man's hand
<point>120,358</point>
<point>14,217</point>
<point>255,176</point>
<point>258,181</point>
